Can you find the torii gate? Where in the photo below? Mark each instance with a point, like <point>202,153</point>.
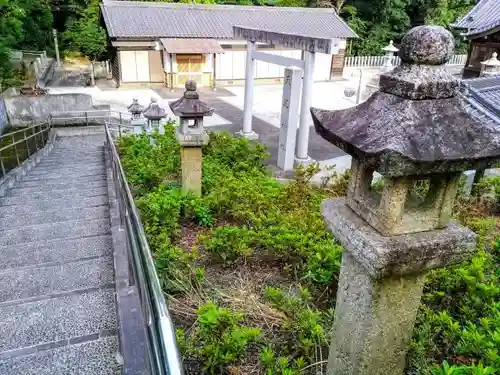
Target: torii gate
<point>291,92</point>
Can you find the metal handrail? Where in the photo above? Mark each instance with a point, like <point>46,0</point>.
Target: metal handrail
<point>93,114</point>
<point>41,135</point>
<point>165,356</point>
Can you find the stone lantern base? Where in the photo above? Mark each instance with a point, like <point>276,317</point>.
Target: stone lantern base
<point>191,160</point>
<point>380,285</point>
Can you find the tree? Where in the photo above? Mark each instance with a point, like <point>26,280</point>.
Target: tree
<point>86,36</point>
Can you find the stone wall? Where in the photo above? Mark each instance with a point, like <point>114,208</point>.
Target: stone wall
<point>31,109</point>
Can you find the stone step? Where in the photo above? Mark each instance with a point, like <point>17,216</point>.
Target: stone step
<point>54,251</point>
<point>53,216</point>
<point>48,280</point>
<point>77,165</point>
<point>51,320</point>
<point>59,182</point>
<point>92,357</point>
<point>27,198</point>
<point>51,231</point>
<point>54,176</point>
<point>69,187</point>
<point>54,204</point>
<point>68,168</point>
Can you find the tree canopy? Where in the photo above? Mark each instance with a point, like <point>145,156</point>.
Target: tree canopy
<point>28,24</point>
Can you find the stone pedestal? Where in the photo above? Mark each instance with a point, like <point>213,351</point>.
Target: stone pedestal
<point>380,286</point>
<point>138,125</point>
<point>191,160</point>
<point>373,321</point>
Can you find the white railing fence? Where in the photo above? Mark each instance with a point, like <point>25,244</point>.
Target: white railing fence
<point>378,61</point>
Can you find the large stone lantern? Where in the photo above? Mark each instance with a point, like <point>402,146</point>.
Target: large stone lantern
<point>416,128</point>
<point>154,114</point>
<point>137,120</point>
<point>491,67</point>
<point>191,135</point>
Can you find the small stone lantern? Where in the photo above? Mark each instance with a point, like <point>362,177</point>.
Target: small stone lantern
<point>416,128</point>
<point>191,135</point>
<point>491,67</point>
<point>373,85</point>
<point>154,114</point>
<point>389,50</point>
<point>137,120</point>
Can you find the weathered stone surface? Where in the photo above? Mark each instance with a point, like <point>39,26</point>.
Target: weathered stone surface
<point>399,137</point>
<point>373,322</point>
<point>192,140</point>
<point>154,112</point>
<point>135,108</point>
<point>191,160</point>
<point>427,45</point>
<point>397,255</point>
<point>190,104</point>
<point>418,123</point>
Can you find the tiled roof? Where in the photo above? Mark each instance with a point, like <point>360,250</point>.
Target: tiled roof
<point>483,97</point>
<point>134,19</point>
<point>485,16</point>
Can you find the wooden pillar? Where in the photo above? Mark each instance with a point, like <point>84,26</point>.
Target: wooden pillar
<point>214,74</point>
<point>171,72</point>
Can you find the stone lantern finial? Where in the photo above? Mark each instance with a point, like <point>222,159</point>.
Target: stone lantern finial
<point>491,67</point>
<point>417,128</point>
<point>191,135</point>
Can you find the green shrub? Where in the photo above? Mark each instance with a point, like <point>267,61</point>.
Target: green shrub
<point>304,325</point>
<point>219,339</point>
<point>229,243</point>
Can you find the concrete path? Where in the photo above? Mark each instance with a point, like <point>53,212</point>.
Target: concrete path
<point>57,290</point>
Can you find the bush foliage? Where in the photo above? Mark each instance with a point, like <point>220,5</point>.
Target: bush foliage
<point>247,220</point>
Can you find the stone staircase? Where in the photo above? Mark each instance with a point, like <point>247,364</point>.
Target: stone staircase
<point>57,284</point>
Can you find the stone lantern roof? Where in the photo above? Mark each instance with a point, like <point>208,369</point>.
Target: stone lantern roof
<point>154,111</point>
<point>190,105</point>
<point>135,108</point>
<point>390,48</point>
<point>418,123</point>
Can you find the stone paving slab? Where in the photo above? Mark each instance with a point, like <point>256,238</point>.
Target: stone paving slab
<point>96,357</point>
<point>66,202</point>
<point>29,198</point>
<point>69,186</point>
<point>54,251</point>
<point>59,182</point>
<point>48,280</point>
<point>53,216</point>
<point>50,231</point>
<point>58,176</point>
<point>54,319</point>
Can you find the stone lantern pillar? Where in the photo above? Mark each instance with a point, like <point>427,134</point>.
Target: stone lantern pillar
<point>191,135</point>
<point>373,85</point>
<point>415,128</point>
<point>137,120</point>
<point>154,114</point>
<point>491,67</point>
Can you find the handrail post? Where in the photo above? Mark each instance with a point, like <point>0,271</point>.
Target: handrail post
<point>26,142</point>
<point>34,136</point>
<point>1,164</point>
<point>86,118</point>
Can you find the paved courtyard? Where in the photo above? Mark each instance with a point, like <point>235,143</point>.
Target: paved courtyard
<point>228,103</point>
